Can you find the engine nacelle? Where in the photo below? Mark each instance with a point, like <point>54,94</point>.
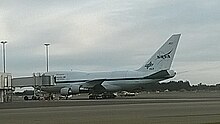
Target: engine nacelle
<point>74,89</point>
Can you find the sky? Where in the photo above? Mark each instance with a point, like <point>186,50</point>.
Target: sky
<point>110,35</point>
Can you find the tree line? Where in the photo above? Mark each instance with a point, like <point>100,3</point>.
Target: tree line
<point>179,86</point>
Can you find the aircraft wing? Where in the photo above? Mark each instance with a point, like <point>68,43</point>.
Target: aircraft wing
<point>93,83</point>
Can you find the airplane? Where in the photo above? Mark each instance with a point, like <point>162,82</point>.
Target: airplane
<point>105,84</point>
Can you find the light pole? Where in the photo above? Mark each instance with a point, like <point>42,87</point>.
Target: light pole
<point>3,49</point>
<point>47,55</point>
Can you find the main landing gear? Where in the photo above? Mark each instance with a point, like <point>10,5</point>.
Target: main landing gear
<point>102,96</point>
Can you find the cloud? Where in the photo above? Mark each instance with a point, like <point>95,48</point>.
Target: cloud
<point>111,35</point>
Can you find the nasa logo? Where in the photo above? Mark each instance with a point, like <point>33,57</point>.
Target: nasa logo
<point>164,56</point>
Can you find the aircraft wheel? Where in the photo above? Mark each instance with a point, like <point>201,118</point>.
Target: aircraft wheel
<point>25,97</point>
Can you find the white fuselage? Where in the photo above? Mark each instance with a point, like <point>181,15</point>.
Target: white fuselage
<point>155,69</point>
<point>116,80</point>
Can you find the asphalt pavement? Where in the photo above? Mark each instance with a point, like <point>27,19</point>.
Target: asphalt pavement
<point>143,109</point>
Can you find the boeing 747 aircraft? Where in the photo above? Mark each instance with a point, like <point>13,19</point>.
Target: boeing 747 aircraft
<point>104,84</point>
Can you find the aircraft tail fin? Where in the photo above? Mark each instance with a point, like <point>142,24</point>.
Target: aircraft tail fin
<point>162,59</point>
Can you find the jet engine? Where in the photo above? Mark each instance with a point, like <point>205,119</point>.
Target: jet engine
<point>74,89</point>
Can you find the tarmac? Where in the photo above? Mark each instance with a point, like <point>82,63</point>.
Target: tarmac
<point>162,108</point>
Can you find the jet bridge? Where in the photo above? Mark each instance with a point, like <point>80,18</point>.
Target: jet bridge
<point>36,80</point>
<point>5,87</point>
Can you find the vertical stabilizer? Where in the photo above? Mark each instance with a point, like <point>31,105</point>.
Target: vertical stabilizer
<point>162,59</point>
